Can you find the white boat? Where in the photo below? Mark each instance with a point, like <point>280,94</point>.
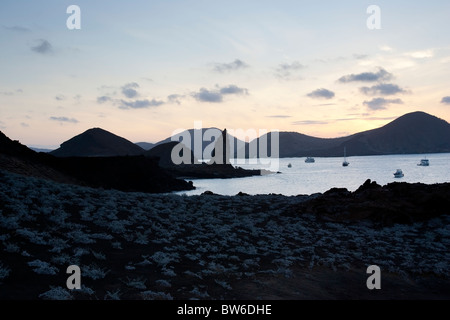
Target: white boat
<point>398,173</point>
<point>345,163</point>
<point>310,160</point>
<point>424,163</point>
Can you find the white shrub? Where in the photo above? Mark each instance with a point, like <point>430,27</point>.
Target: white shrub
<point>42,267</point>
<point>11,247</point>
<point>163,283</point>
<point>94,272</point>
<point>141,238</point>
<point>102,236</point>
<point>56,293</point>
<point>161,258</point>
<point>33,236</point>
<point>98,255</point>
<point>116,245</point>
<point>113,295</point>
<point>198,294</point>
<point>168,272</point>
<point>4,272</point>
<point>223,284</point>
<point>78,252</point>
<point>138,283</point>
<point>9,222</point>
<point>79,236</point>
<point>58,245</point>
<point>25,254</point>
<point>151,295</point>
<point>62,259</point>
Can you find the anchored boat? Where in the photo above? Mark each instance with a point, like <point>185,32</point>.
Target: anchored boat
<point>398,173</point>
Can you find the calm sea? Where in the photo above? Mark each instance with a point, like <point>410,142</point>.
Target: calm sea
<point>326,173</point>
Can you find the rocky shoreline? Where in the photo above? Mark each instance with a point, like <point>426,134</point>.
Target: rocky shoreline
<point>154,246</point>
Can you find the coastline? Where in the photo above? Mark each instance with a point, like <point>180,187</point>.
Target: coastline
<point>153,246</point>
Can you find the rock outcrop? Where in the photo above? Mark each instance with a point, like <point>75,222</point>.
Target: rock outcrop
<point>394,203</point>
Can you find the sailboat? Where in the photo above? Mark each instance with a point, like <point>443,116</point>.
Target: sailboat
<point>345,163</point>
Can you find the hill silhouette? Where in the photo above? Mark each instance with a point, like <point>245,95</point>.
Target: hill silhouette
<point>15,148</point>
<point>97,142</point>
<point>145,145</point>
<point>163,152</point>
<point>416,132</point>
<point>127,173</point>
<point>210,142</point>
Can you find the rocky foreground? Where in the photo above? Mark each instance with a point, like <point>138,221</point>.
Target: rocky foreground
<point>154,246</point>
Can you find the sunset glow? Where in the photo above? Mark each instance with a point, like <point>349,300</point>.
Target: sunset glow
<point>142,69</point>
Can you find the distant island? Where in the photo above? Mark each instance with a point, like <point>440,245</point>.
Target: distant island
<point>99,158</point>
<point>413,133</point>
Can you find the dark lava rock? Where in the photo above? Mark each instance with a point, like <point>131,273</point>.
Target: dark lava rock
<point>385,205</point>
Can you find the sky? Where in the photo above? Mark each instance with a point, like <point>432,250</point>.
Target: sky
<point>143,69</point>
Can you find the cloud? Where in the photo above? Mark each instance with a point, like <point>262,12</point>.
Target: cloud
<point>43,47</point>
<point>380,75</point>
<point>364,116</point>
<point>174,98</point>
<point>287,71</point>
<point>384,89</point>
<point>129,90</point>
<point>381,103</point>
<point>308,122</point>
<point>233,89</point>
<point>11,93</point>
<point>103,99</point>
<point>325,104</point>
<point>205,95</point>
<point>446,100</point>
<point>64,119</point>
<point>140,104</point>
<point>60,97</point>
<point>232,66</point>
<point>321,94</point>
<point>380,118</point>
<point>421,54</point>
<point>216,96</point>
<point>358,56</point>
<point>279,116</point>
<point>386,48</point>
<point>17,29</point>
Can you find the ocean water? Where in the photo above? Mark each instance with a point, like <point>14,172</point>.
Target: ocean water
<point>327,173</point>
